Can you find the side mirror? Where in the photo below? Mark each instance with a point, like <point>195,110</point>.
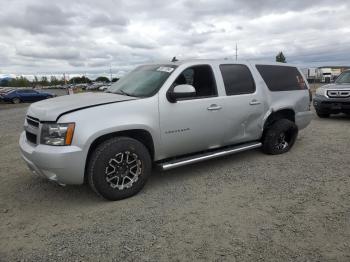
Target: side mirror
<point>181,91</point>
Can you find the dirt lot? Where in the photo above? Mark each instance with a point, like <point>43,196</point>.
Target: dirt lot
<point>246,207</point>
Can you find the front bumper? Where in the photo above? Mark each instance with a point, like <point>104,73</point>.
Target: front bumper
<point>62,164</point>
<point>331,105</point>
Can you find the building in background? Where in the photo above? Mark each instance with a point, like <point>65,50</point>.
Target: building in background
<point>323,74</point>
<point>328,73</point>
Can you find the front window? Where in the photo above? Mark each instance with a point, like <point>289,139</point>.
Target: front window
<point>201,77</point>
<point>144,81</point>
<point>344,78</point>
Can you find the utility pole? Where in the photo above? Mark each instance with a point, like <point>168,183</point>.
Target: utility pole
<point>110,71</point>
<point>236,52</point>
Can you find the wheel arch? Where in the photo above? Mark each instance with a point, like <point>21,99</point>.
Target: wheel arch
<point>140,135</point>
<point>16,97</point>
<point>284,113</point>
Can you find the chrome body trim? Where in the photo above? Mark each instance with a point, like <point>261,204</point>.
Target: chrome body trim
<point>211,155</point>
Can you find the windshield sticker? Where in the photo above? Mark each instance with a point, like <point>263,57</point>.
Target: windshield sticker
<point>165,69</point>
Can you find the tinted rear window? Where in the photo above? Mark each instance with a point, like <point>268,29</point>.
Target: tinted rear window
<point>237,79</point>
<point>281,78</point>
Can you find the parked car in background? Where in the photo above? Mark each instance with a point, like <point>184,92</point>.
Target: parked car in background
<point>94,86</point>
<point>165,114</point>
<point>103,88</point>
<point>334,98</point>
<point>24,95</point>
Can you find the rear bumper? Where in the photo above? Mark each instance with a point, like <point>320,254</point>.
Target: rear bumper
<point>331,105</point>
<point>64,165</point>
<point>303,119</point>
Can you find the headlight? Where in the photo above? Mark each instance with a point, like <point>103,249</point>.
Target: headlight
<point>57,134</point>
<point>320,92</point>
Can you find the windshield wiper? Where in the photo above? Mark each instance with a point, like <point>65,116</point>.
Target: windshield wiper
<point>121,92</point>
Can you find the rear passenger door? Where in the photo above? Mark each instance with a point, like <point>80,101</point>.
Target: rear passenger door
<point>24,95</point>
<point>243,105</point>
<point>32,95</point>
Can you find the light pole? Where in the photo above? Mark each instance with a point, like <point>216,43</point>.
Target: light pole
<point>110,70</point>
<point>236,52</point>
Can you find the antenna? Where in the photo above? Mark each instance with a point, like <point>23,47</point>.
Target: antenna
<point>110,70</point>
<point>236,52</point>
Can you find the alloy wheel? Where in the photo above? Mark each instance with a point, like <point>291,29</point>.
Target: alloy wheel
<point>16,100</point>
<point>123,170</point>
<point>282,142</point>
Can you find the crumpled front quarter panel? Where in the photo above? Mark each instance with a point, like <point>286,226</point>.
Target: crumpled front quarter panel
<point>94,122</point>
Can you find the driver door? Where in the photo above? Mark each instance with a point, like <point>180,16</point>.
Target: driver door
<point>195,123</point>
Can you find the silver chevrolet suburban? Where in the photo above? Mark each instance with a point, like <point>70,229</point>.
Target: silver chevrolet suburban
<point>165,115</point>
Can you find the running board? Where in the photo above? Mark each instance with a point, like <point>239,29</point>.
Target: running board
<point>209,155</point>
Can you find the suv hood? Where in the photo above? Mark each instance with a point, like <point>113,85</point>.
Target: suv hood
<point>51,109</point>
<point>336,86</point>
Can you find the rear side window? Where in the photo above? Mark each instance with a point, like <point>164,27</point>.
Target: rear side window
<point>238,79</point>
<point>281,78</point>
<point>23,91</point>
<point>28,92</point>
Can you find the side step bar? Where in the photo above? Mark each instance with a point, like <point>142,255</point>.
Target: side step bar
<point>209,155</point>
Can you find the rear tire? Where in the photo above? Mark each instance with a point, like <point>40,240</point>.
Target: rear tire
<point>279,137</point>
<point>322,115</point>
<point>119,168</point>
<point>16,100</point>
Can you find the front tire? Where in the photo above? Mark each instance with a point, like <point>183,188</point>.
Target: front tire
<point>16,100</point>
<point>119,168</point>
<point>280,137</point>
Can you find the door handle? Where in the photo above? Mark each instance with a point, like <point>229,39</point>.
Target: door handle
<point>214,107</point>
<point>254,102</point>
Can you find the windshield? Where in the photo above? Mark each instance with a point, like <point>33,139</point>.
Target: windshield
<point>344,78</point>
<point>6,90</point>
<point>144,81</point>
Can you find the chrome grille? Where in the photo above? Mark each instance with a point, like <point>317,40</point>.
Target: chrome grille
<point>31,127</point>
<point>33,121</point>
<point>338,93</point>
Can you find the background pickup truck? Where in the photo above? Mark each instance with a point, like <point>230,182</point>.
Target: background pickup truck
<point>165,115</point>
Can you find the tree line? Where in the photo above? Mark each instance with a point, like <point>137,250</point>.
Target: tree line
<point>22,81</point>
<point>53,81</point>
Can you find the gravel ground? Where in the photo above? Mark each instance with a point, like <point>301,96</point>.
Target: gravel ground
<point>246,207</point>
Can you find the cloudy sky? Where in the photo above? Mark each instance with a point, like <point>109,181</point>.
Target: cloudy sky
<point>41,36</point>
